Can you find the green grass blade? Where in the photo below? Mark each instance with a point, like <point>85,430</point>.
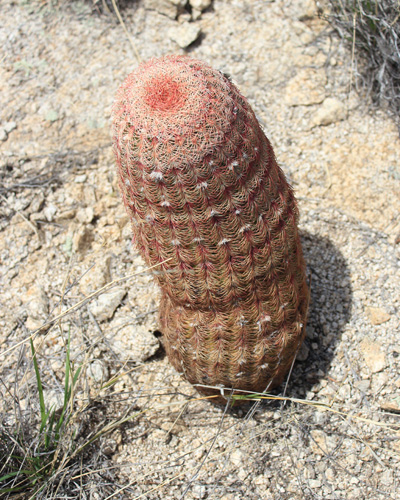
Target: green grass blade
<point>13,474</point>
<point>67,390</point>
<point>40,388</point>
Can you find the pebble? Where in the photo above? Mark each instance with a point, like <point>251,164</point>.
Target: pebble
<point>49,212</point>
<point>362,385</point>
<point>303,353</point>
<point>332,110</point>
<point>134,341</point>
<point>306,88</point>
<point>85,215</point>
<point>199,491</point>
<point>98,371</point>
<point>3,135</point>
<point>200,4</point>
<point>104,306</point>
<point>82,239</point>
<point>80,179</point>
<point>184,34</point>
<point>237,457</point>
<point>170,8</point>
<point>377,315</point>
<point>54,400</point>
<point>318,442</point>
<point>9,126</point>
<point>37,305</point>
<point>373,355</point>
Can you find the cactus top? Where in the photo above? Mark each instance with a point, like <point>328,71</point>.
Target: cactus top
<point>179,110</point>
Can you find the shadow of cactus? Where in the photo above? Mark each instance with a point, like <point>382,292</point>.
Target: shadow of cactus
<point>329,311</point>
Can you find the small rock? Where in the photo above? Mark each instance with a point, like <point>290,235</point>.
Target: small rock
<point>363,385</point>
<point>98,371</point>
<point>109,446</point>
<point>378,381</point>
<point>54,400</point>
<point>199,491</point>
<point>330,474</point>
<point>51,116</point>
<point>82,239</point>
<point>37,203</point>
<point>135,341</point>
<point>331,111</point>
<point>49,212</point>
<point>37,306</point>
<point>85,215</point>
<point>392,406</point>
<point>67,214</point>
<point>196,14</point>
<point>96,277</point>
<point>80,179</point>
<point>374,357</point>
<point>237,458</point>
<point>306,88</point>
<point>314,483</point>
<point>200,4</point>
<point>303,353</point>
<point>377,316</point>
<point>318,442</point>
<point>170,8</point>
<point>103,307</point>
<point>9,126</point>
<point>261,480</point>
<point>3,135</point>
<point>184,34</point>
<point>184,18</point>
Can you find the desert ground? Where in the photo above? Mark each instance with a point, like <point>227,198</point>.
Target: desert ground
<point>144,431</point>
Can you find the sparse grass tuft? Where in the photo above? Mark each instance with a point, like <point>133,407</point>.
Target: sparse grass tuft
<point>30,455</point>
<point>48,451</point>
<point>372,29</point>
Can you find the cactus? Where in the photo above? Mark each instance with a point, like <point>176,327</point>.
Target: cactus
<point>201,185</point>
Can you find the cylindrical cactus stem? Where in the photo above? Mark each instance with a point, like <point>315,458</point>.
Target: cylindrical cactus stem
<point>202,187</point>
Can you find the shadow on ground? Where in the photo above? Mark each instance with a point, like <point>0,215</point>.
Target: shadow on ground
<point>329,312</point>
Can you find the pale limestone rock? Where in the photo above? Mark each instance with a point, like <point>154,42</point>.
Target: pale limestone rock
<point>83,239</point>
<point>374,357</point>
<point>184,34</point>
<point>332,110</point>
<point>237,457</point>
<point>104,306</point>
<point>306,88</point>
<point>98,276</point>
<point>200,4</point>
<point>98,371</point>
<point>85,215</point>
<point>377,315</point>
<point>49,212</point>
<point>134,341</point>
<point>170,8</point>
<point>37,306</point>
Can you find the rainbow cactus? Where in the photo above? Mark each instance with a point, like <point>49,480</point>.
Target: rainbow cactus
<point>209,205</point>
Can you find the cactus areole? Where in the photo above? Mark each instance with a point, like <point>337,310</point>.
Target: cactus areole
<point>201,185</point>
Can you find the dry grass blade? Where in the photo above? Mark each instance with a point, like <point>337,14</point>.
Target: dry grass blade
<point>373,30</point>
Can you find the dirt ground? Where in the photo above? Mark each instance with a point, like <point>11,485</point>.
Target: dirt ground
<point>64,234</point>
